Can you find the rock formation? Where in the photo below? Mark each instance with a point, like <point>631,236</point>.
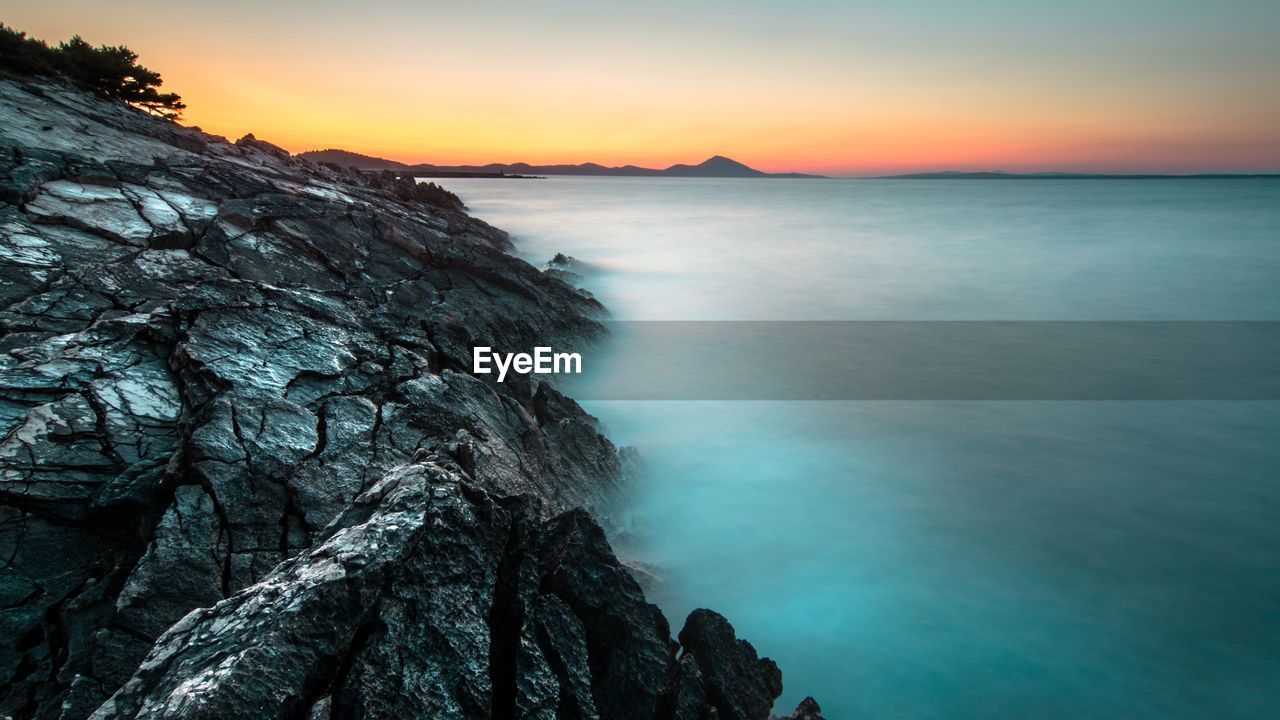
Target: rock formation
<point>245,472</point>
<point>807,710</point>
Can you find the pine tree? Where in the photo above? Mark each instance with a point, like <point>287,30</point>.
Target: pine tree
<point>109,71</point>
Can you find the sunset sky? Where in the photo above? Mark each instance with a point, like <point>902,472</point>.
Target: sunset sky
<point>843,88</point>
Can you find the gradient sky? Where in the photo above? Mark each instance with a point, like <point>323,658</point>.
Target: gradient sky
<point>846,88</point>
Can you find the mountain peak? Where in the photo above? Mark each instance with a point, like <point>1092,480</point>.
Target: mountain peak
<point>722,161</point>
<point>714,166</point>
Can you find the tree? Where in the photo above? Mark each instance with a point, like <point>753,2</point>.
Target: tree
<point>20,55</point>
<point>109,71</point>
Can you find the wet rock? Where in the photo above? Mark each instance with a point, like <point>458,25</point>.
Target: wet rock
<point>244,468</point>
<point>739,685</point>
<point>684,697</point>
<point>440,600</point>
<point>569,270</point>
<point>807,710</point>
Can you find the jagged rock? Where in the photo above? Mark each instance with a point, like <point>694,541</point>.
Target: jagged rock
<point>439,600</point>
<point>250,141</point>
<point>566,268</point>
<point>245,470</point>
<point>724,672</point>
<point>684,696</point>
<point>807,710</point>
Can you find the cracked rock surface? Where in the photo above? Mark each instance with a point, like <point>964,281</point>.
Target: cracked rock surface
<point>245,472</point>
<point>440,601</point>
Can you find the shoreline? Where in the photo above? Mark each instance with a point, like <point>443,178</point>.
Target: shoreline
<point>251,419</point>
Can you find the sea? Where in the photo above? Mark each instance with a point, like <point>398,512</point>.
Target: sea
<point>901,559</point>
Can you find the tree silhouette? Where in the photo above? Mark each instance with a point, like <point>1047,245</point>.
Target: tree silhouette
<point>109,71</point>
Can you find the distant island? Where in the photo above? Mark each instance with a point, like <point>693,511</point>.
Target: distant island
<point>713,167</point>
<point>997,175</point>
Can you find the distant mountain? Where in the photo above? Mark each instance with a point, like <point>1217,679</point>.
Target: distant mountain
<point>956,175</point>
<point>352,160</point>
<point>721,166</point>
<point>717,166</point>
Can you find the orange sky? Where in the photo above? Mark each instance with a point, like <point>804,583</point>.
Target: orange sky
<point>839,88</point>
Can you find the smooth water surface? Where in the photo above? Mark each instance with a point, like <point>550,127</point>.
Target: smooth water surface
<point>950,559</point>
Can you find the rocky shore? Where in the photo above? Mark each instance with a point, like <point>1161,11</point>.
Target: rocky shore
<point>244,471</point>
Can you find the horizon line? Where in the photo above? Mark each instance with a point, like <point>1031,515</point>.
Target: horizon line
<point>845,174</point>
<point>836,174</point>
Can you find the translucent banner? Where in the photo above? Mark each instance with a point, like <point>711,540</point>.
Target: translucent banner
<point>930,360</point>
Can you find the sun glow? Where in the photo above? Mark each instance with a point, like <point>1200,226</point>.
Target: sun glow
<point>838,89</point>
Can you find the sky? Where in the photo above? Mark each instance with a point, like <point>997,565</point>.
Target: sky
<point>842,88</point>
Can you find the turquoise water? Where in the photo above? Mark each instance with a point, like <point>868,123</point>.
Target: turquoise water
<point>936,559</point>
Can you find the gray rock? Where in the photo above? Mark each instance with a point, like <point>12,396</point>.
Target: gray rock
<point>725,673</point>
<point>438,600</point>
<point>244,468</point>
<point>807,710</point>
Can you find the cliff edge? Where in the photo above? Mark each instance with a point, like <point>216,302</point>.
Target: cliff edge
<point>244,471</point>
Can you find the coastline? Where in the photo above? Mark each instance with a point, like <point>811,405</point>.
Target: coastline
<point>235,385</point>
